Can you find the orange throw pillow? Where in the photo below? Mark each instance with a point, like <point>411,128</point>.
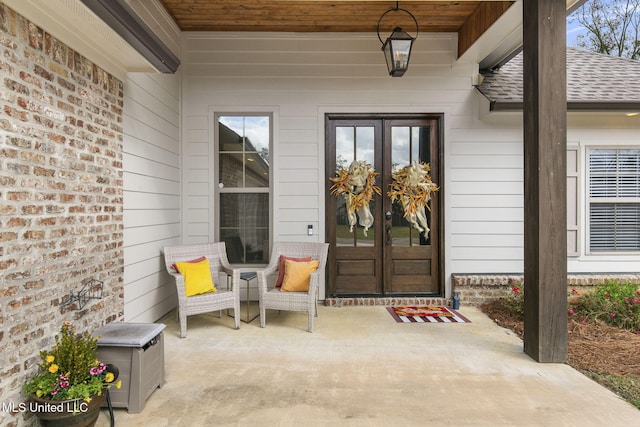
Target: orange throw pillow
<point>297,275</point>
<point>281,268</point>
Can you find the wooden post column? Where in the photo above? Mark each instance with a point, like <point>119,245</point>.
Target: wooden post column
<point>545,200</point>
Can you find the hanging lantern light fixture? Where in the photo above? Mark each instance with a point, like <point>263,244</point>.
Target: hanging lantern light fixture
<point>397,47</point>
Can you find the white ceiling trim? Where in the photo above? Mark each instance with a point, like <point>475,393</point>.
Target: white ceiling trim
<point>75,25</point>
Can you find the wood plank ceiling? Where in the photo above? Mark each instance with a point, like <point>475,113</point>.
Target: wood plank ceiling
<point>470,19</point>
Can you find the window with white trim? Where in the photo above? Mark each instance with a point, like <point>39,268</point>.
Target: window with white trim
<point>244,185</point>
<point>614,200</point>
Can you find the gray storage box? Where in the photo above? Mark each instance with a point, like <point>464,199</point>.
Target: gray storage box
<point>137,349</point>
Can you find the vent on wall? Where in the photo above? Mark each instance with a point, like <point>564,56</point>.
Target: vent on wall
<point>124,21</point>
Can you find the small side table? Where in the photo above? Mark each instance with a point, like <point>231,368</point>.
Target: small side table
<point>247,276</point>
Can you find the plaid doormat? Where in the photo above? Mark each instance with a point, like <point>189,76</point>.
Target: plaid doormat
<point>426,314</point>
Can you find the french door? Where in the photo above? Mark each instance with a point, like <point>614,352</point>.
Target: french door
<point>391,257</point>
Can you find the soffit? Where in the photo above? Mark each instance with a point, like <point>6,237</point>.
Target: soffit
<point>470,20</point>
<point>316,16</point>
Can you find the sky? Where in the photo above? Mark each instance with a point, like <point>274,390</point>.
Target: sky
<point>573,31</point>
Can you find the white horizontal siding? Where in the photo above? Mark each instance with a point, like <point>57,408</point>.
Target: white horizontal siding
<point>152,192</point>
<point>484,221</point>
<point>299,78</point>
<point>485,203</point>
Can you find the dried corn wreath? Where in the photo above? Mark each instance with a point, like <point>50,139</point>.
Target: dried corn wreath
<point>357,185</point>
<point>412,187</point>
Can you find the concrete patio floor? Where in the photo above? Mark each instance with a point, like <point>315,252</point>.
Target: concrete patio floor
<point>361,368</point>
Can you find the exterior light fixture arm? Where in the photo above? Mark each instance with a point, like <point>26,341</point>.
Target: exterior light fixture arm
<point>396,9</point>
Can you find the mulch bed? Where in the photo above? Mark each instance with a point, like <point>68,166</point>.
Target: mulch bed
<point>593,346</point>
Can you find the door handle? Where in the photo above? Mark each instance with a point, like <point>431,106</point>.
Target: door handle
<point>388,215</point>
<point>388,233</point>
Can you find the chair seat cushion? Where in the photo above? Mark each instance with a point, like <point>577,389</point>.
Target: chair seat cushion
<point>281,268</point>
<point>297,275</point>
<point>197,277</point>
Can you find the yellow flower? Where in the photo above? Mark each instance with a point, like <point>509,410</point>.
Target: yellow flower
<point>50,358</point>
<point>39,393</point>
<point>53,368</point>
<point>119,384</point>
<point>109,377</point>
<point>96,362</point>
<point>87,399</point>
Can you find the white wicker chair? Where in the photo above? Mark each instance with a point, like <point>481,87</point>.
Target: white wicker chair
<point>222,299</point>
<point>271,297</point>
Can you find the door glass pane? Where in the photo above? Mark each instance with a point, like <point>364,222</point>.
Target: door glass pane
<point>364,144</point>
<point>408,144</point>
<point>353,143</point>
<point>400,147</point>
<point>345,138</point>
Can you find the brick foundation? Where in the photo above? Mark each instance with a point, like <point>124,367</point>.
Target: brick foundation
<point>61,190</point>
<point>474,289</point>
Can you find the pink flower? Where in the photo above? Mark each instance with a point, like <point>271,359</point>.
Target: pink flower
<point>571,312</point>
<point>516,290</point>
<point>574,292</point>
<point>612,315</point>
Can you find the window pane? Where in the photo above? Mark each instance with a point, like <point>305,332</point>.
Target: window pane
<point>614,174</point>
<point>257,133</point>
<point>615,227</point>
<point>244,151</point>
<point>243,163</point>
<point>231,170</point>
<point>257,171</point>
<point>230,137</point>
<point>244,226</point>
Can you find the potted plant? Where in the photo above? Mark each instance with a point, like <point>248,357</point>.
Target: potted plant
<point>71,383</point>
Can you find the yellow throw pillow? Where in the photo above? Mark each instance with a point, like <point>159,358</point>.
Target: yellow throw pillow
<point>297,274</point>
<point>197,277</point>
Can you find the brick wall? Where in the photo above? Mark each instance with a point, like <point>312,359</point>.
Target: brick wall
<point>474,289</point>
<point>60,196</point>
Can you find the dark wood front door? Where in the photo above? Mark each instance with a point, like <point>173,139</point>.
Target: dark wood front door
<point>391,257</point>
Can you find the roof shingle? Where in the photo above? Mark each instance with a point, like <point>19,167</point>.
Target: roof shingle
<point>592,78</point>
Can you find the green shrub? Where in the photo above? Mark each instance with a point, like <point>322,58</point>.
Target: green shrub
<point>514,301</point>
<point>71,369</point>
<point>617,304</point>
